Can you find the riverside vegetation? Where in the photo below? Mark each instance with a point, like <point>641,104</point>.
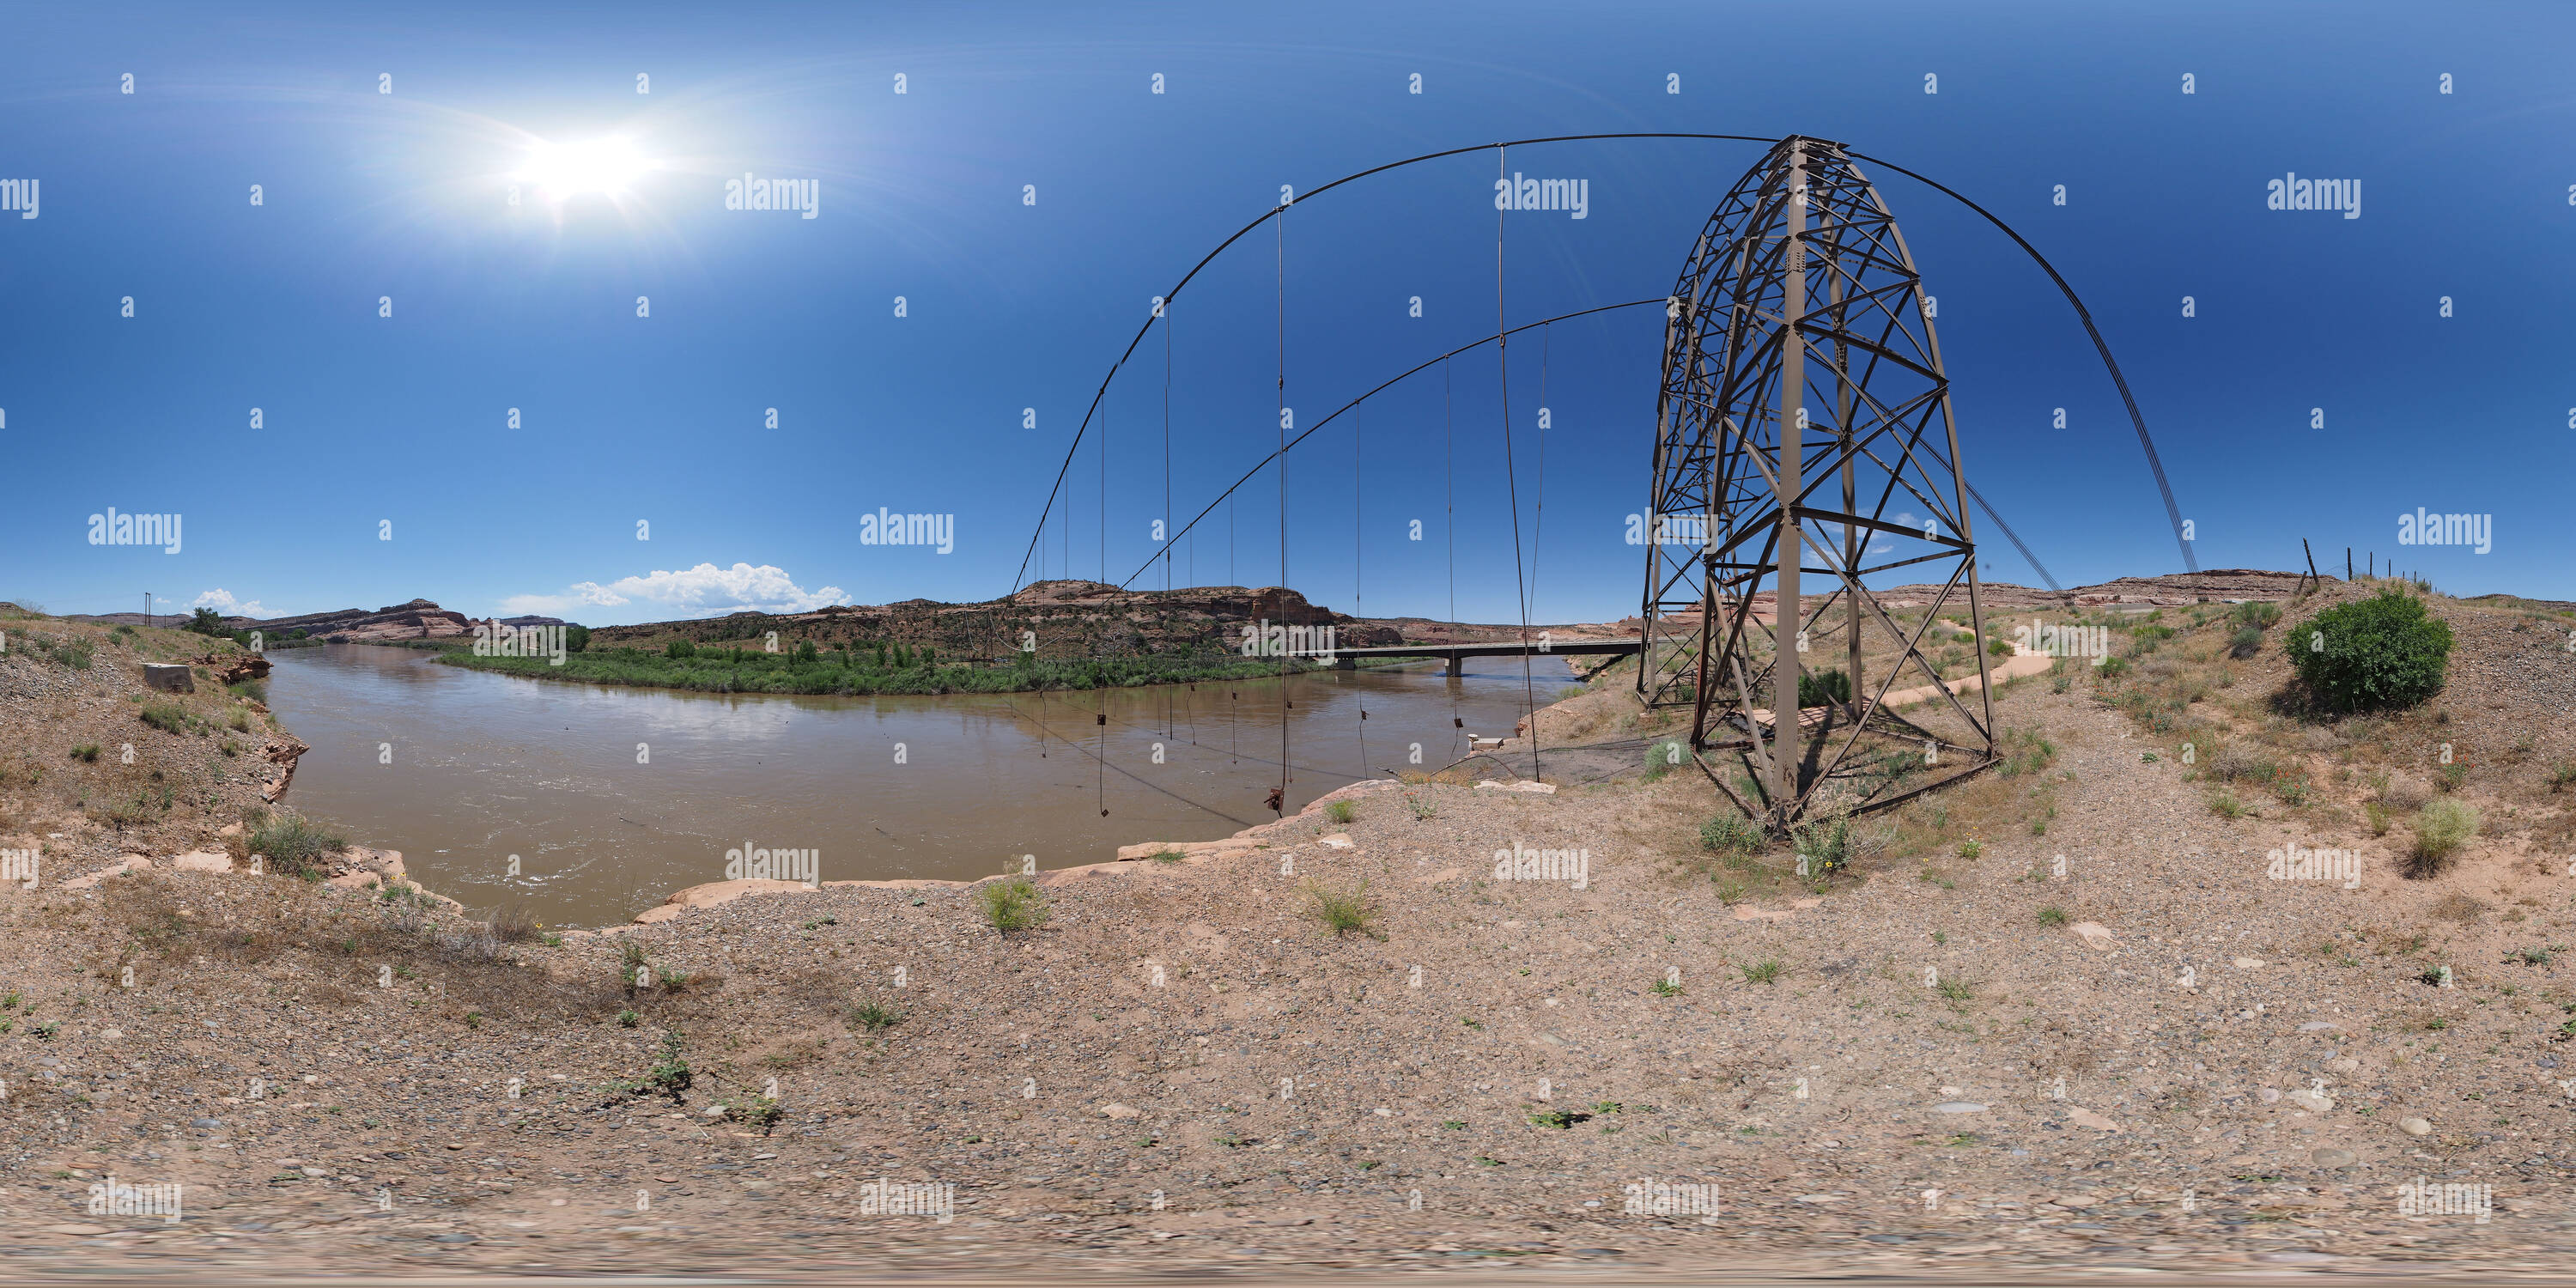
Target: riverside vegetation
<point>846,671</point>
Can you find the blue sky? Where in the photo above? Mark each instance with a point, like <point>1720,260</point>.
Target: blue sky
<point>374,425</point>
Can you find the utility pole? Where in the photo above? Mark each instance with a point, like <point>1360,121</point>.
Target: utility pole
<point>147,609</point>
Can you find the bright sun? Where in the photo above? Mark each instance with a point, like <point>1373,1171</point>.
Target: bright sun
<point>564,170</point>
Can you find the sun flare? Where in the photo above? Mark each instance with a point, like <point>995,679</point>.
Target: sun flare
<point>607,166</point>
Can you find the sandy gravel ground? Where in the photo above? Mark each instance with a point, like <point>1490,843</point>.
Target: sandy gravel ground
<point>1918,1070</point>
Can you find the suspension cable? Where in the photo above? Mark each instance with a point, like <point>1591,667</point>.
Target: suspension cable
<point>1449,526</point>
<point>1511,473</point>
<point>1280,222</point>
<point>1358,551</point>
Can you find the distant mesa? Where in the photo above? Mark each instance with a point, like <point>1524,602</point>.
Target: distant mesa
<point>1067,619</point>
<point>417,620</point>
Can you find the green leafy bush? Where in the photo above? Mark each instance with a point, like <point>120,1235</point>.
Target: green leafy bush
<point>295,844</point>
<point>1012,904</point>
<point>680,649</point>
<point>1341,911</point>
<point>1819,688</point>
<point>1731,834</point>
<point>2259,614</point>
<point>2375,654</point>
<point>1827,844</point>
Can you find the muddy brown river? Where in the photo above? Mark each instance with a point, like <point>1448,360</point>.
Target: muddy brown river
<point>589,803</point>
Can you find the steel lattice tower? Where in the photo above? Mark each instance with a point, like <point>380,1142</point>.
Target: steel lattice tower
<point>1804,431</point>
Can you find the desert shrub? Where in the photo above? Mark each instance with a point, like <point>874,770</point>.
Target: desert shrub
<point>2441,829</point>
<point>514,924</point>
<point>2403,793</point>
<point>1342,811</point>
<point>2562,778</point>
<point>120,812</point>
<point>1341,911</point>
<point>169,717</point>
<point>2052,916</point>
<point>2247,642</point>
<point>1819,688</point>
<point>2374,654</point>
<point>1012,904</point>
<point>870,1014</point>
<point>1730,834</point>
<point>87,751</point>
<point>755,1111</point>
<point>2026,751</point>
<point>669,1076</point>
<point>2257,614</point>
<point>73,653</point>
<point>295,845</point>
<point>2234,763</point>
<point>1828,844</point>
<point>680,648</point>
<point>1762,972</point>
<point>255,690</point>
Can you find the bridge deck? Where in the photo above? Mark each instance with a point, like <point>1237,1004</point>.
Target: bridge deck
<point>1513,648</point>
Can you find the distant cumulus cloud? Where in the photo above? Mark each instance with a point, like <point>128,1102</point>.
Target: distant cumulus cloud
<point>702,591</point>
<point>222,601</point>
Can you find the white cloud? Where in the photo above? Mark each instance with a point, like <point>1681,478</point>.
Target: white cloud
<point>222,601</point>
<point>705,590</point>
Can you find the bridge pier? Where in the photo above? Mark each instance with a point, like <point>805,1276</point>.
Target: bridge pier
<point>1457,665</point>
<point>1346,663</point>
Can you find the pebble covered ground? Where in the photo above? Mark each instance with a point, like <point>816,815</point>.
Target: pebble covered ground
<point>2158,1057</point>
